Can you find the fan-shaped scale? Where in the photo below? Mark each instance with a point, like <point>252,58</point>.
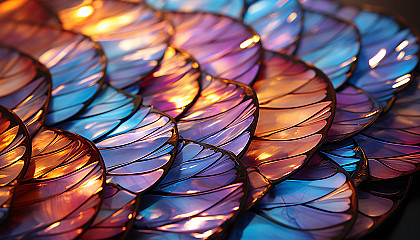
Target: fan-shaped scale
<point>200,197</point>
<point>61,191</point>
<point>232,50</point>
<point>15,153</point>
<point>331,44</point>
<point>76,63</point>
<point>225,115</point>
<point>319,202</point>
<point>25,87</point>
<point>133,36</point>
<point>279,23</point>
<point>388,53</point>
<point>297,104</point>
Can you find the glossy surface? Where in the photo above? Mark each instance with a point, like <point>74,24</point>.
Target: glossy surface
<point>319,202</point>
<point>15,153</point>
<point>392,143</point>
<point>225,115</point>
<point>199,198</point>
<point>25,87</point>
<point>174,86</point>
<point>356,110</point>
<point>389,49</point>
<point>330,44</point>
<point>76,64</point>
<point>136,142</point>
<point>133,36</point>
<point>61,190</point>
<point>279,23</point>
<point>232,8</point>
<point>232,50</point>
<point>351,157</point>
<point>377,201</point>
<point>297,105</point>
<point>115,216</point>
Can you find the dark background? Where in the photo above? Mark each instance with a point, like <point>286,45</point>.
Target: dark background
<point>405,222</point>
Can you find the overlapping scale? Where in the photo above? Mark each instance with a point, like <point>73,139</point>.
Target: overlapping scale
<point>174,86</point>
<point>76,63</point>
<point>389,49</point>
<point>317,203</point>
<point>232,8</point>
<point>26,10</point>
<point>297,105</point>
<point>200,197</point>
<point>133,36</point>
<point>61,190</point>
<point>232,50</point>
<point>137,144</point>
<point>15,153</point>
<point>356,110</point>
<point>351,157</point>
<point>279,23</point>
<point>107,112</point>
<point>330,44</point>
<point>115,216</point>
<point>392,143</point>
<point>377,201</point>
<point>25,87</point>
<point>225,115</point>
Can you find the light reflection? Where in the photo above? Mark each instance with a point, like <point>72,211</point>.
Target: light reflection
<point>84,11</point>
<point>371,114</point>
<point>198,222</point>
<point>203,235</point>
<point>402,46</point>
<point>187,214</point>
<point>9,6</point>
<point>373,62</point>
<point>246,43</point>
<point>263,156</point>
<point>291,17</point>
<point>402,80</point>
<point>401,55</point>
<point>249,41</point>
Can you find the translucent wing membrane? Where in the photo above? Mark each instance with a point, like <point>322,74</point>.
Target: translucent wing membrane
<point>133,36</point>
<point>115,216</point>
<point>25,87</point>
<point>106,113</point>
<point>15,153</point>
<point>232,8</point>
<point>356,110</point>
<point>61,191</point>
<point>330,44</point>
<point>351,157</point>
<point>279,23</point>
<point>199,198</point>
<point>138,153</point>
<point>297,106</point>
<point>389,49</point>
<point>232,50</point>
<point>317,203</point>
<point>392,143</point>
<point>174,86</point>
<point>76,63</point>
<point>377,201</point>
<point>136,142</point>
<point>225,115</point>
<point>26,10</point>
